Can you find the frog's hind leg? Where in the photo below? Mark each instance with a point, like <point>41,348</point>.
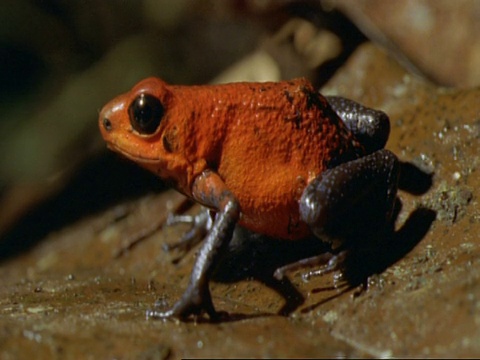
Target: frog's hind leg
<point>353,201</point>
<point>347,206</point>
<point>371,127</point>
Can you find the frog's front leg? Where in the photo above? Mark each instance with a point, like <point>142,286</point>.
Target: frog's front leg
<point>353,201</point>
<point>210,190</point>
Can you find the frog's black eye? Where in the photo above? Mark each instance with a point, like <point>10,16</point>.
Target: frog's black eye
<point>145,112</point>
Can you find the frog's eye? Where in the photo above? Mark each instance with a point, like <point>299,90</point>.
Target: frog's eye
<point>145,113</point>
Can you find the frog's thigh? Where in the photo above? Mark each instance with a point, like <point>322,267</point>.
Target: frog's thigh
<point>353,198</point>
<point>371,127</point>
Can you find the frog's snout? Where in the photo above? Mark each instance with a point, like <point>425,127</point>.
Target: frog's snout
<point>105,123</point>
<point>111,114</point>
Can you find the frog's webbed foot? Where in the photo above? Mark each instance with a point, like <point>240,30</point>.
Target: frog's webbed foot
<point>200,225</point>
<point>328,263</point>
<point>194,301</point>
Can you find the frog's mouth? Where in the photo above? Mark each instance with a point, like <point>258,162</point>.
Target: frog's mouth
<point>133,157</point>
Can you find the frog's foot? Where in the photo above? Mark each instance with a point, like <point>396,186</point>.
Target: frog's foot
<point>195,301</point>
<point>328,263</point>
<point>200,225</point>
<point>335,263</point>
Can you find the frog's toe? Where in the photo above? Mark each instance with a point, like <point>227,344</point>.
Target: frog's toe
<point>155,314</point>
<point>181,311</point>
<point>327,263</point>
<point>335,263</point>
<point>194,302</point>
<point>200,225</point>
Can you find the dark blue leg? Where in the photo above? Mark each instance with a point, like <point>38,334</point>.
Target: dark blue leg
<point>352,201</point>
<point>349,205</point>
<point>208,189</point>
<point>371,127</point>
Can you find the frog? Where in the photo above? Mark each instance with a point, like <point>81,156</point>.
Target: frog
<point>276,158</point>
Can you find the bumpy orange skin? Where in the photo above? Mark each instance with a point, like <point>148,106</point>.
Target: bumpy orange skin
<point>267,141</point>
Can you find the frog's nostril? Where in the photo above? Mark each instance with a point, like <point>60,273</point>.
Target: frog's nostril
<point>107,124</point>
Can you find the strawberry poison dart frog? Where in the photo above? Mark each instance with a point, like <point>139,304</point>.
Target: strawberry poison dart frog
<point>277,158</point>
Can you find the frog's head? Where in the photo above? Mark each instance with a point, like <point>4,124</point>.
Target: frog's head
<point>138,126</point>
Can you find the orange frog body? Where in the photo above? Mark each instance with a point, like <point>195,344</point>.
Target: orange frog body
<point>277,158</point>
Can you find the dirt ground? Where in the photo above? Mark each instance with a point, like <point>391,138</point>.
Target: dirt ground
<point>80,288</point>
